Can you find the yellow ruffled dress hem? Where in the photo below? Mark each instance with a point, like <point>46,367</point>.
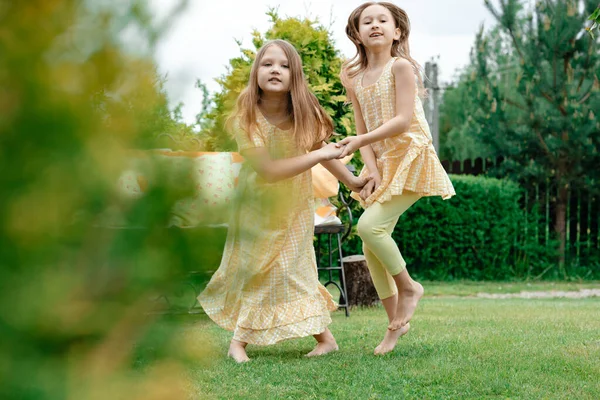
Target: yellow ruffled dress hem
<point>264,337</point>
<point>268,325</point>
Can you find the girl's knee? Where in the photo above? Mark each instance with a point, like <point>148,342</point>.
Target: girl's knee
<point>366,229</point>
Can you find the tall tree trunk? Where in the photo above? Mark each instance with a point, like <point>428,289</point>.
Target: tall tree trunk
<point>561,224</point>
<point>561,214</point>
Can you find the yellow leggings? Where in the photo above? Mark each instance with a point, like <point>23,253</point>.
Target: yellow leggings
<point>375,228</point>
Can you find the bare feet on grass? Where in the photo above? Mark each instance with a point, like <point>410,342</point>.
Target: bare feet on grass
<point>390,339</point>
<point>408,299</point>
<point>323,348</point>
<point>237,351</point>
<point>325,344</point>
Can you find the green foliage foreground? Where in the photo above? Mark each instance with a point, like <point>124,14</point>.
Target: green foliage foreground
<point>74,294</point>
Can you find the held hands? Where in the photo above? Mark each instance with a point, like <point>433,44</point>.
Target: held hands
<point>349,145</point>
<point>373,182</point>
<point>367,190</point>
<point>357,184</point>
<point>365,185</point>
<point>332,151</point>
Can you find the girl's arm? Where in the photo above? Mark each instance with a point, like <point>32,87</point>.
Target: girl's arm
<point>339,170</point>
<point>366,152</point>
<point>276,170</point>
<point>405,89</point>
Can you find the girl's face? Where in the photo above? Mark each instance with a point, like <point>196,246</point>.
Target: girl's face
<point>377,28</point>
<point>274,71</point>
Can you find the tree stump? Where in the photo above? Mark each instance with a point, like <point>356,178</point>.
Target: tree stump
<point>359,285</point>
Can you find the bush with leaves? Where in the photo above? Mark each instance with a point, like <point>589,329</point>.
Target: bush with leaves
<point>482,234</point>
<point>75,296</point>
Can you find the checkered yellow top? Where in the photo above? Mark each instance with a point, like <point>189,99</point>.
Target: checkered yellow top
<point>407,161</point>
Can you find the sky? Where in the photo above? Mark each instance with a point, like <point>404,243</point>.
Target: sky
<point>202,39</point>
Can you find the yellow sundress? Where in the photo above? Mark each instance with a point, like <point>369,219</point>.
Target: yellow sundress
<point>267,288</point>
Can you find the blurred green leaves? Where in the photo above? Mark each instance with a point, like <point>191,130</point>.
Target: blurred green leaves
<point>75,295</point>
<point>595,18</point>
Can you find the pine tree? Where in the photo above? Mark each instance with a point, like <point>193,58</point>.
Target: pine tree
<point>546,121</point>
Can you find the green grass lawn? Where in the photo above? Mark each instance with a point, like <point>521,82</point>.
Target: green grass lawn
<point>459,347</point>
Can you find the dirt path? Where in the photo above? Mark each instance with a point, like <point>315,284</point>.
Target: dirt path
<point>582,293</point>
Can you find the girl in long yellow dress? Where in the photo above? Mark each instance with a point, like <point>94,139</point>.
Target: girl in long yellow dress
<point>382,81</point>
<point>267,288</point>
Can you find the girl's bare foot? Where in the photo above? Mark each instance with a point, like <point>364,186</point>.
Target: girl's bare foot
<point>237,351</point>
<point>325,344</point>
<point>408,299</point>
<point>323,348</point>
<point>390,339</point>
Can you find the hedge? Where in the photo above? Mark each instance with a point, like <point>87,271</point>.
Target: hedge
<point>481,233</point>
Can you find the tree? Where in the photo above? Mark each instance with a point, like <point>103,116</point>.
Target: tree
<point>458,138</point>
<point>321,61</point>
<point>595,18</point>
<point>546,124</point>
<point>460,129</point>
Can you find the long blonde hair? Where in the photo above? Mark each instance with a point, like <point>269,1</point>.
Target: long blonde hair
<point>311,123</point>
<point>400,48</point>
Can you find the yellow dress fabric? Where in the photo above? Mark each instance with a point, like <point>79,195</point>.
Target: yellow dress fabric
<point>406,161</point>
<point>267,288</point>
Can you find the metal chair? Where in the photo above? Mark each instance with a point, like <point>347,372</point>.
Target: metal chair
<point>341,231</point>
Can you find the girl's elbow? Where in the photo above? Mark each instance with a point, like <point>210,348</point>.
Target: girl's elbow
<point>267,175</point>
<point>270,178</point>
<point>265,171</point>
<point>403,126</point>
<point>398,129</point>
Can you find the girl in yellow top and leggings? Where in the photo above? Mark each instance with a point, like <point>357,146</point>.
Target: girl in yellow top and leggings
<point>382,81</point>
